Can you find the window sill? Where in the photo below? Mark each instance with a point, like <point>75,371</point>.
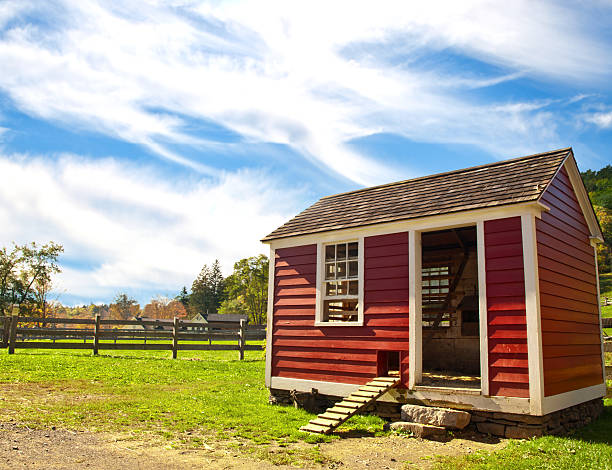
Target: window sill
<point>339,323</point>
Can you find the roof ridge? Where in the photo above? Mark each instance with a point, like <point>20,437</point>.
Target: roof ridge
<point>452,172</point>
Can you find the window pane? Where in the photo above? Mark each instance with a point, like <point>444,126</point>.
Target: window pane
<point>353,287</point>
<point>353,250</point>
<point>444,282</point>
<point>340,310</point>
<point>343,288</point>
<point>330,288</point>
<point>341,270</point>
<point>330,271</point>
<point>353,269</point>
<point>330,252</point>
<point>434,282</point>
<point>341,251</point>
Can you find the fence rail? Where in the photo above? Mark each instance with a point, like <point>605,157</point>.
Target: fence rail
<point>606,322</point>
<point>35,332</point>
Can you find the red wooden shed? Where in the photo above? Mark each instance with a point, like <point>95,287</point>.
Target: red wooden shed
<point>479,287</point>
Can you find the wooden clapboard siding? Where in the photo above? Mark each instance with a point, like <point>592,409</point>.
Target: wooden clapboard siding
<point>506,317</point>
<point>336,353</point>
<point>568,292</point>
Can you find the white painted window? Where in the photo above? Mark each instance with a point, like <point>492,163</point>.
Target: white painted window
<point>340,283</point>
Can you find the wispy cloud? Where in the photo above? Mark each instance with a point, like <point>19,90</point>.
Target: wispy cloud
<point>130,227</point>
<point>277,72</point>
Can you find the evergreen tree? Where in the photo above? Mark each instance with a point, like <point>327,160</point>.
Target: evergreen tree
<point>207,290</point>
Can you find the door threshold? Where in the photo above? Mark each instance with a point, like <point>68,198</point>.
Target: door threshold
<point>460,390</point>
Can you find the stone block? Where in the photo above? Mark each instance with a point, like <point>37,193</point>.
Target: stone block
<point>491,428</point>
<point>442,417</point>
<point>419,429</point>
<point>523,432</point>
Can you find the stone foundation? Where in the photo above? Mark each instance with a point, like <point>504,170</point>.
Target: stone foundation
<point>518,426</point>
<point>515,426</point>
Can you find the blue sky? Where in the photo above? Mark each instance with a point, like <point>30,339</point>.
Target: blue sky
<point>150,138</point>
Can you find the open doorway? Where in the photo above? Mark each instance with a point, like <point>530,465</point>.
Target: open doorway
<point>450,309</point>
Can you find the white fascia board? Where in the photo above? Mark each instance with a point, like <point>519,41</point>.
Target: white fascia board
<point>583,198</point>
<point>434,222</point>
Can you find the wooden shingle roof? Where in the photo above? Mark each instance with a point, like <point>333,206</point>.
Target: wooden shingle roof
<point>495,184</point>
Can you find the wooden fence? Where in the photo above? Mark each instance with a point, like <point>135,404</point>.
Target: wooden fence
<point>606,322</point>
<point>63,333</point>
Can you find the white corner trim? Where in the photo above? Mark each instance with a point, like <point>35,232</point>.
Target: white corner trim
<point>434,222</point>
<point>270,319</point>
<point>532,307</point>
<point>415,320</point>
<point>603,354</point>
<point>583,197</point>
<point>302,385</point>
<point>567,399</point>
<point>320,298</point>
<point>482,309</point>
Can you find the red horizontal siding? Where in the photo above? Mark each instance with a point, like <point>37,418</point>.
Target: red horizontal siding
<point>336,353</point>
<point>506,318</point>
<point>568,293</point>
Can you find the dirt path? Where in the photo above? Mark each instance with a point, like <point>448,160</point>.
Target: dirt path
<point>24,448</point>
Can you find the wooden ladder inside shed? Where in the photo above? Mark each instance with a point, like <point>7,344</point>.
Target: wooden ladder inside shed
<point>367,394</point>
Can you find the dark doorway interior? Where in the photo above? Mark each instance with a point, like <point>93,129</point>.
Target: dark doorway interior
<point>450,316</point>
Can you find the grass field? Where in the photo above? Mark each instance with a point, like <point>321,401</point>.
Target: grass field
<point>203,393</point>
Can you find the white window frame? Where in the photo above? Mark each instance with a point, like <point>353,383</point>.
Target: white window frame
<point>320,297</point>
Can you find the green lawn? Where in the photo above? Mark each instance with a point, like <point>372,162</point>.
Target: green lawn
<point>587,448</point>
<point>203,393</point>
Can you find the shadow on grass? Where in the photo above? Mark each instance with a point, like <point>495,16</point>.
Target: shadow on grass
<point>600,431</point>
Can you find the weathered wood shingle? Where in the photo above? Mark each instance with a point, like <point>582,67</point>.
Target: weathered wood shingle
<point>506,182</point>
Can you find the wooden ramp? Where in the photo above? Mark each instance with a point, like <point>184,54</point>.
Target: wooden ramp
<point>367,394</point>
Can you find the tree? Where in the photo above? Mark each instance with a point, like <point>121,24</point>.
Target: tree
<point>183,297</point>
<point>164,308</point>
<point>247,289</point>
<point>25,274</point>
<point>207,290</point>
<point>124,307</point>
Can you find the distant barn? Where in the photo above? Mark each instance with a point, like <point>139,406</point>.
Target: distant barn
<point>479,287</point>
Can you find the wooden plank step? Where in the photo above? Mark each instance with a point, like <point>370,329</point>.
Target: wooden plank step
<point>369,388</point>
<point>358,399</point>
<point>348,404</point>
<point>387,379</point>
<point>324,422</point>
<point>315,428</point>
<point>376,383</point>
<point>336,416</point>
<point>359,393</point>
<point>343,411</point>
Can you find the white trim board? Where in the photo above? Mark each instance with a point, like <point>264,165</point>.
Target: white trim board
<point>532,311</point>
<point>435,398</point>
<point>567,399</point>
<point>434,222</point>
<point>483,314</point>
<point>302,385</point>
<point>415,320</point>
<point>270,315</point>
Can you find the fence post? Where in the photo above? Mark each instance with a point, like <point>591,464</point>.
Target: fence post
<point>6,326</point>
<point>96,341</point>
<point>241,339</point>
<point>175,328</point>
<point>13,331</point>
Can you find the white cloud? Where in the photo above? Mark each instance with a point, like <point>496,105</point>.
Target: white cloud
<point>277,71</point>
<point>602,120</point>
<point>129,227</point>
